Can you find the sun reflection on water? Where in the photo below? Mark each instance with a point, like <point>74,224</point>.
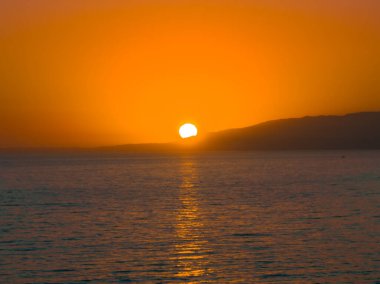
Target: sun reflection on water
<point>192,248</point>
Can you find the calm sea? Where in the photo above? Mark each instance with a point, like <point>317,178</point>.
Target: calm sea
<point>283,217</point>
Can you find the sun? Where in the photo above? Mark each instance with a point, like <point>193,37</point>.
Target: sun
<point>188,130</point>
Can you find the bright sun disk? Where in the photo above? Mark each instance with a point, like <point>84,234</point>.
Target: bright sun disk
<point>188,130</point>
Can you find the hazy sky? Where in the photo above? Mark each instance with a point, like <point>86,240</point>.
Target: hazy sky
<point>85,73</point>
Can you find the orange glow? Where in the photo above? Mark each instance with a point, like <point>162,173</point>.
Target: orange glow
<point>114,72</point>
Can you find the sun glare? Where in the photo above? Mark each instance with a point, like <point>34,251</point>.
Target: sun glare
<point>188,130</point>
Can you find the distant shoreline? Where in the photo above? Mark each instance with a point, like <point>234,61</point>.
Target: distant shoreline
<point>354,131</point>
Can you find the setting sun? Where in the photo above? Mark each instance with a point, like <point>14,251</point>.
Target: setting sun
<point>188,130</point>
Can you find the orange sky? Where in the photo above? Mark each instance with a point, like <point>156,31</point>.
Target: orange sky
<point>87,73</point>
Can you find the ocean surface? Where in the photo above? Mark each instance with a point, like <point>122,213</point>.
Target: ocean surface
<point>249,217</point>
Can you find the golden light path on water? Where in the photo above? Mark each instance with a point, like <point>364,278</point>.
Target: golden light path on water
<point>192,248</point>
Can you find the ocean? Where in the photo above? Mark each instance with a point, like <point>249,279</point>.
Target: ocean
<point>222,217</point>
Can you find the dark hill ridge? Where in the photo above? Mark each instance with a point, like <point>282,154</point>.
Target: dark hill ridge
<point>352,131</point>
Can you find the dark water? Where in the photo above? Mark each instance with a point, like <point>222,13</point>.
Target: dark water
<point>298,217</point>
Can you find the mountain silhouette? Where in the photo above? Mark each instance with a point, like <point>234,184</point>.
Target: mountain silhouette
<point>352,131</point>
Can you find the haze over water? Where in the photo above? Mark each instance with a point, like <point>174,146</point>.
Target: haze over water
<point>286,217</point>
